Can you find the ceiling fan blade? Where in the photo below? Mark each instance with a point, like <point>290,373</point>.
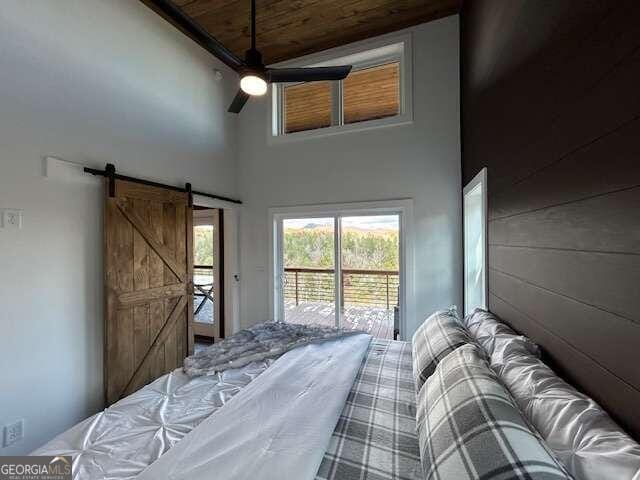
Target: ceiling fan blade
<point>238,101</point>
<point>311,74</point>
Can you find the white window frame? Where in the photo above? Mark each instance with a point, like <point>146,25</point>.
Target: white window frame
<point>401,207</point>
<point>361,55</point>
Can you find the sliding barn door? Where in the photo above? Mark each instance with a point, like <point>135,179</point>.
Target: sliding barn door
<point>148,282</point>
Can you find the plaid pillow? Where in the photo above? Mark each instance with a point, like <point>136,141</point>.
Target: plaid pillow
<point>439,335</point>
<point>470,428</point>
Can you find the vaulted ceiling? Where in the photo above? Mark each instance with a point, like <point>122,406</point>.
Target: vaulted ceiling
<point>290,28</point>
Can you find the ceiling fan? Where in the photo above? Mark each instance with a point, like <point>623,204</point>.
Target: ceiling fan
<point>254,76</point>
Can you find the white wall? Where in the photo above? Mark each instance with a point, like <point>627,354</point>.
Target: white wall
<point>91,81</point>
<point>419,161</point>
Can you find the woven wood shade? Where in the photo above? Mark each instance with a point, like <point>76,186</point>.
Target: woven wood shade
<point>307,106</point>
<point>372,93</point>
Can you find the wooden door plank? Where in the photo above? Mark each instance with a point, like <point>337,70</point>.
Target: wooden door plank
<point>157,363</point>
<point>141,297</point>
<point>141,334</point>
<point>167,330</point>
<point>169,239</point>
<point>156,279</point>
<point>166,254</point>
<point>180,234</point>
<point>157,314</point>
<point>181,338</point>
<point>124,361</point>
<point>124,318</point>
<point>140,248</point>
<point>153,194</point>
<point>156,266</point>
<point>121,353</point>
<point>181,253</point>
<point>110,278</point>
<point>170,353</point>
<point>123,256</point>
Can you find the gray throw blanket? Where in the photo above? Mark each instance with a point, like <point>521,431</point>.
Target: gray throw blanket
<point>264,340</point>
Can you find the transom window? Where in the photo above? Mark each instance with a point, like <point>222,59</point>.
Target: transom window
<point>307,106</point>
<point>374,94</point>
<point>371,93</point>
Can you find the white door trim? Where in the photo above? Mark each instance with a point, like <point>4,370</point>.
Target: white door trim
<point>337,268</point>
<point>401,207</point>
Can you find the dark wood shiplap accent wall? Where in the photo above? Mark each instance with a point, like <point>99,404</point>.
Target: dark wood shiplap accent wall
<point>551,106</point>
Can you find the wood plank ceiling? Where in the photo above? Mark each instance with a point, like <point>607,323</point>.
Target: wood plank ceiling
<point>290,28</point>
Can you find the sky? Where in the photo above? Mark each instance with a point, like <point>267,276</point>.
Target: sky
<point>370,222</point>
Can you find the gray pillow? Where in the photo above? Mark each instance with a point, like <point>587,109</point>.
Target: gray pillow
<point>439,335</point>
<point>584,438</point>
<point>495,336</point>
<point>483,323</point>
<point>470,428</point>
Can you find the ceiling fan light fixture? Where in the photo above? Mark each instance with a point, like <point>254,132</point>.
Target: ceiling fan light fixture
<point>252,84</point>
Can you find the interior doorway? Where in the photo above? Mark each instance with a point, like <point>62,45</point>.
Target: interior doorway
<point>208,274</point>
<point>342,268</point>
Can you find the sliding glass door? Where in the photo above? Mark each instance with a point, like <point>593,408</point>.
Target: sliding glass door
<point>370,273</point>
<point>340,270</point>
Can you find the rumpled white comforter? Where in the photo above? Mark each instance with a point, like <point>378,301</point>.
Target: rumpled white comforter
<point>256,343</point>
<point>278,427</point>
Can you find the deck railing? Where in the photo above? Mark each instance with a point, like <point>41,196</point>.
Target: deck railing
<point>378,288</point>
<point>203,287</point>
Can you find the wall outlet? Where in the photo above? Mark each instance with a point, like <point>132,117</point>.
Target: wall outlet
<point>13,432</point>
<point>11,218</point>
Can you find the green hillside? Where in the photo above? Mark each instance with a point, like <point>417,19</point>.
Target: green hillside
<point>361,249</point>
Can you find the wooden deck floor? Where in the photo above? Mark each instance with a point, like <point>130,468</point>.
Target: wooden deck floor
<point>376,321</point>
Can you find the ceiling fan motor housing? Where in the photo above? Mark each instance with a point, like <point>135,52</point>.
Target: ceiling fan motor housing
<point>253,59</point>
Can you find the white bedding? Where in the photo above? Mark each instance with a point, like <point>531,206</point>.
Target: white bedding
<point>278,427</point>
<point>188,428</point>
<point>121,441</point>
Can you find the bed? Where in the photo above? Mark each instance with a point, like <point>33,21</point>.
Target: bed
<point>373,434</point>
<point>466,399</point>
